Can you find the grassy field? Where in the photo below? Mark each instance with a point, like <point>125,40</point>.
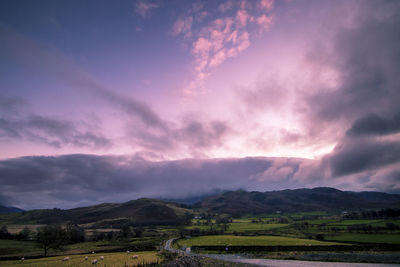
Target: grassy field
<point>353,222</point>
<point>367,238</point>
<point>242,225</point>
<point>224,240</point>
<point>110,260</point>
<point>14,247</point>
<point>30,248</point>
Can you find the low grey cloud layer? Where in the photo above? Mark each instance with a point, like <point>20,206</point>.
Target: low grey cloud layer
<point>76,180</point>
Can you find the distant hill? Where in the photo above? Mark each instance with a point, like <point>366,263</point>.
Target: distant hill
<point>190,200</point>
<point>4,209</point>
<point>298,200</point>
<point>147,211</point>
<point>137,212</point>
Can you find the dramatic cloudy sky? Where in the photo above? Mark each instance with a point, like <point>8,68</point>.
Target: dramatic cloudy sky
<point>115,100</point>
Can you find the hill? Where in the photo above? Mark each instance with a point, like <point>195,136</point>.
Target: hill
<point>136,212</point>
<point>5,209</point>
<point>147,211</point>
<point>298,200</point>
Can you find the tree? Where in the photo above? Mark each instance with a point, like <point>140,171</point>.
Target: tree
<point>25,234</point>
<point>320,237</point>
<point>74,233</point>
<point>4,234</point>
<point>51,237</point>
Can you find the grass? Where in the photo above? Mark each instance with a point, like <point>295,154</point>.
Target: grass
<point>110,260</point>
<point>367,238</point>
<point>241,227</point>
<point>353,222</point>
<point>31,248</point>
<point>14,247</point>
<point>224,240</point>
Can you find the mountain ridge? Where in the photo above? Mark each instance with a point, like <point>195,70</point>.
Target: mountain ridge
<point>147,211</point>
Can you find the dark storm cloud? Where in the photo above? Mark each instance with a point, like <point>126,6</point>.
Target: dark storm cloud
<point>368,58</point>
<point>73,180</point>
<point>78,180</point>
<point>374,124</point>
<point>365,104</point>
<point>356,156</point>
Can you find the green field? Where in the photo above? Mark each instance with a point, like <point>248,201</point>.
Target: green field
<point>14,247</point>
<point>246,226</point>
<point>241,225</point>
<point>110,260</point>
<point>224,240</point>
<point>353,222</point>
<point>31,248</point>
<point>367,238</point>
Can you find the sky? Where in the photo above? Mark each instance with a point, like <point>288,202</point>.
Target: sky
<point>108,101</point>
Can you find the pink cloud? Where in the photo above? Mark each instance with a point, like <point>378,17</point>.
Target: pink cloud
<point>266,5</point>
<point>143,7</point>
<point>222,37</point>
<point>242,17</point>
<point>264,21</point>
<point>183,26</point>
<point>225,6</point>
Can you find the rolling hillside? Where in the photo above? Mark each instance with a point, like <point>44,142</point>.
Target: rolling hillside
<point>5,209</point>
<point>298,200</point>
<point>147,211</point>
<point>138,212</point>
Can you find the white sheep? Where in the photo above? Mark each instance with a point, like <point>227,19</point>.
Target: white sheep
<point>86,258</point>
<point>66,259</point>
<point>135,256</point>
<point>92,252</point>
<point>128,251</point>
<point>22,259</point>
<point>101,258</point>
<point>94,261</point>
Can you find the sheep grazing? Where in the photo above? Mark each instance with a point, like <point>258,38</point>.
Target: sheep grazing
<point>22,259</point>
<point>135,256</point>
<point>128,251</point>
<point>101,258</point>
<point>94,261</point>
<point>66,259</point>
<point>86,258</point>
<point>92,252</point>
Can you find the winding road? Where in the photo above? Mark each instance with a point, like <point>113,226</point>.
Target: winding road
<point>273,263</point>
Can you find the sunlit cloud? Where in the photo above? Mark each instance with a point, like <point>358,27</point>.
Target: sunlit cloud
<point>221,37</point>
<point>143,7</point>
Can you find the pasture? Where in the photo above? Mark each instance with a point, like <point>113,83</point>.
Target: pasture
<point>225,240</point>
<point>366,238</point>
<point>241,225</point>
<point>110,260</point>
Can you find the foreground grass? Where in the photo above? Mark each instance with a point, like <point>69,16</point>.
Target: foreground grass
<point>367,238</point>
<point>110,260</point>
<point>224,240</point>
<point>31,248</point>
